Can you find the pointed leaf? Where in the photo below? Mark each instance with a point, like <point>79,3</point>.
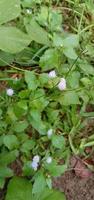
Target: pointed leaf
<point>19,189</point>
<point>9,10</point>
<point>13,40</point>
<point>36,32</point>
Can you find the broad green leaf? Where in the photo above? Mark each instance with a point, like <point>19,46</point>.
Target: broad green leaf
<point>28,145</point>
<point>38,100</point>
<point>58,141</point>
<point>56,195</point>
<point>20,126</point>
<point>45,193</point>
<point>86,81</point>
<point>19,189</point>
<point>43,16</point>
<point>37,123</point>
<point>27,3</point>
<point>23,104</point>
<point>9,10</point>
<point>31,80</point>
<point>43,78</point>
<point>39,184</point>
<point>49,194</point>
<point>71,41</point>
<point>5,172</point>
<point>69,52</point>
<point>11,114</point>
<point>11,141</point>
<point>55,20</point>
<point>54,169</point>
<point>57,40</point>
<point>13,40</point>
<point>87,68</point>
<point>24,94</point>
<point>73,79</point>
<point>8,157</point>
<point>27,169</point>
<point>36,32</point>
<point>6,58</point>
<point>69,98</point>
<point>20,108</point>
<point>49,60</point>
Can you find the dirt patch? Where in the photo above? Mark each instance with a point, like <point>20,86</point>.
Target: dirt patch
<point>75,188</point>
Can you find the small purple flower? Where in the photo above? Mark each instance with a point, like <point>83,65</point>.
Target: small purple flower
<point>62,84</point>
<point>10,92</point>
<point>52,74</point>
<point>34,165</point>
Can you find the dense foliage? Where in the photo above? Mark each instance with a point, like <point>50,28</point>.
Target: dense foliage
<point>48,49</point>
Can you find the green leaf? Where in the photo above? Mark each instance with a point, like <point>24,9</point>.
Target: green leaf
<point>71,41</point>
<point>43,78</point>
<point>8,157</point>
<point>5,172</point>
<point>87,68</point>
<point>69,98</point>
<point>19,189</point>
<point>69,52</point>
<point>45,193</point>
<point>37,123</point>
<point>57,40</point>
<point>54,169</point>
<point>20,108</point>
<point>55,20</point>
<point>27,170</point>
<point>24,94</point>
<point>2,182</point>
<point>13,40</point>
<point>23,105</point>
<point>36,32</point>
<point>27,145</point>
<point>56,195</point>
<point>49,60</point>
<point>11,141</point>
<point>31,80</point>
<point>11,114</point>
<point>20,126</point>
<point>73,79</point>
<point>39,184</point>
<point>38,100</point>
<point>6,58</point>
<point>43,16</point>
<point>9,10</point>
<point>52,115</point>
<point>58,141</point>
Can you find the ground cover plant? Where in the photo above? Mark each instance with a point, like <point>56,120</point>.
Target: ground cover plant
<point>47,85</point>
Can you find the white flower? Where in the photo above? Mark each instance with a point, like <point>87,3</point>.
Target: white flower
<point>62,84</point>
<point>49,160</point>
<point>34,165</point>
<point>52,74</point>
<point>29,11</point>
<point>10,92</point>
<point>49,133</point>
<point>36,159</point>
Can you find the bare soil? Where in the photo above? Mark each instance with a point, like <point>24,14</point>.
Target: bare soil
<point>74,187</point>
